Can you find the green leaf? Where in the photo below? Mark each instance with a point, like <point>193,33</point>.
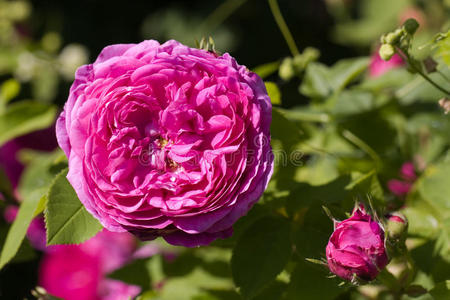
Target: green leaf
<point>321,81</point>
<point>274,92</point>
<point>441,290</point>
<point>434,188</point>
<point>8,90</point>
<point>367,184</point>
<point>347,70</point>
<point>260,255</point>
<point>134,273</point>
<point>285,136</point>
<point>23,117</point>
<point>67,221</point>
<point>309,281</point>
<point>316,81</point>
<point>305,194</point>
<point>19,228</point>
<point>443,47</point>
<point>266,70</point>
<point>33,186</point>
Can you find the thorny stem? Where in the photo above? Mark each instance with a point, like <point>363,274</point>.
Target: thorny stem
<point>283,27</point>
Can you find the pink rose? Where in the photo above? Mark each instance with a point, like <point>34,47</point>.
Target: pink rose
<point>167,140</point>
<point>79,271</point>
<point>356,247</point>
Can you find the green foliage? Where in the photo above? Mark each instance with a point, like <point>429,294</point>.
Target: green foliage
<point>378,17</point>
<point>135,273</point>
<point>321,81</point>
<point>441,290</point>
<point>434,190</point>
<point>274,92</point>
<point>443,47</point>
<point>33,187</point>
<point>309,281</point>
<point>24,117</point>
<point>66,219</point>
<point>8,90</point>
<point>266,70</point>
<point>260,255</point>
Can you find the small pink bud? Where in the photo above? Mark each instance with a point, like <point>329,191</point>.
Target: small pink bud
<point>396,226</point>
<point>408,171</point>
<point>398,187</point>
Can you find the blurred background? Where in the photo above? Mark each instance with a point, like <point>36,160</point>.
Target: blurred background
<point>42,42</point>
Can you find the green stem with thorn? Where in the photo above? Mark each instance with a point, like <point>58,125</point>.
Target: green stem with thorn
<point>407,58</point>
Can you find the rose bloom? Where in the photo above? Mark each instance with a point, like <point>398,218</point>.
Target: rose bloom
<point>356,247</point>
<point>167,140</point>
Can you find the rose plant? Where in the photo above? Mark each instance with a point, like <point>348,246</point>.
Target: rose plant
<point>237,171</point>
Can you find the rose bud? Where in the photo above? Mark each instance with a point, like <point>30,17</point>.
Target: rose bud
<point>408,172</point>
<point>396,226</point>
<point>356,248</point>
<point>167,140</point>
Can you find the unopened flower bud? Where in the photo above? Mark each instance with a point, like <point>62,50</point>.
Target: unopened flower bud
<point>286,71</point>
<point>386,51</point>
<point>356,247</point>
<point>393,38</point>
<point>396,226</point>
<point>411,26</point>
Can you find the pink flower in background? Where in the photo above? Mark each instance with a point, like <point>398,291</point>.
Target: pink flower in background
<point>356,247</point>
<point>379,66</point>
<point>413,12</point>
<point>78,271</point>
<point>167,140</point>
<point>70,273</point>
<point>117,290</point>
<point>401,187</point>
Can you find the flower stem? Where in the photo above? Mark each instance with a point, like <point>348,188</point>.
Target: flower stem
<point>405,56</point>
<point>283,27</point>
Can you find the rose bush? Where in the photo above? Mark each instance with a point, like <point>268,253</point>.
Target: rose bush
<point>167,140</point>
<point>356,247</point>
